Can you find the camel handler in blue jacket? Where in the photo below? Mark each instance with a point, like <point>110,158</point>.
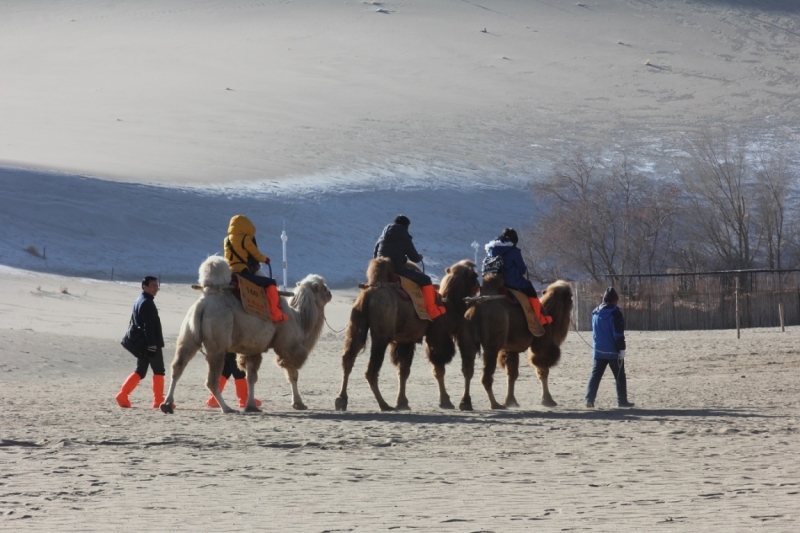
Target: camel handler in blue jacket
<point>608,333</point>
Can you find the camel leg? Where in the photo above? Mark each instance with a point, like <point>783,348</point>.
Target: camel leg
<point>297,402</point>
<point>376,354</point>
<point>353,345</point>
<point>216,362</point>
<point>511,362</point>
<point>444,398</point>
<point>487,377</point>
<point>183,354</point>
<point>468,350</point>
<point>547,400</point>
<point>252,364</point>
<point>402,356</point>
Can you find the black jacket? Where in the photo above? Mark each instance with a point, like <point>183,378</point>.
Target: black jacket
<point>145,316</point>
<point>395,243</point>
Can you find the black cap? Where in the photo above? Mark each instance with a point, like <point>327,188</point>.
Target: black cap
<point>610,295</point>
<point>402,220</point>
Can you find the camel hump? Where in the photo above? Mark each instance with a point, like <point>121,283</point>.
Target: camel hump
<point>214,272</point>
<point>379,269</point>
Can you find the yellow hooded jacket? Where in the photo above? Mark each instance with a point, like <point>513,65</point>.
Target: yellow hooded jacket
<point>241,235</point>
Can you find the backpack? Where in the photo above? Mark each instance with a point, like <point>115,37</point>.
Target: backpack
<point>493,265</point>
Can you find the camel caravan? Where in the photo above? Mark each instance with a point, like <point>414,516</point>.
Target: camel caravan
<point>241,312</point>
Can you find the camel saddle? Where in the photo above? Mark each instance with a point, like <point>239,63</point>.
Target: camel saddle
<point>414,292</point>
<point>534,326</point>
<point>253,298</point>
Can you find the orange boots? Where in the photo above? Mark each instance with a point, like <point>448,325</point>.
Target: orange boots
<point>274,300</point>
<point>429,294</point>
<point>537,308</point>
<point>127,388</point>
<point>241,392</point>
<point>212,402</point>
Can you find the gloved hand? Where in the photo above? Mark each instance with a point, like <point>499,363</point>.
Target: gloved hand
<point>152,349</point>
<point>266,261</point>
<point>420,258</point>
<point>622,354</point>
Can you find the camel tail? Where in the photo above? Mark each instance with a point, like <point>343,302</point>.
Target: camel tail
<point>358,327</point>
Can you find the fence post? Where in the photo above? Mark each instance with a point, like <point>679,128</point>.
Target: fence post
<point>738,329</point>
<point>780,316</point>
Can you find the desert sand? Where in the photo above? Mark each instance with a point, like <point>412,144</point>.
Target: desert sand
<point>332,117</point>
<point>711,444</point>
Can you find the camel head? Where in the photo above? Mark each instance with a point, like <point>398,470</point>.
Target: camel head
<point>311,289</point>
<point>214,272</point>
<point>557,303</point>
<point>460,279</point>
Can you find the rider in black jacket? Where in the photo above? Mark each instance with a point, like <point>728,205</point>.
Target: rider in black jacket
<point>396,244</point>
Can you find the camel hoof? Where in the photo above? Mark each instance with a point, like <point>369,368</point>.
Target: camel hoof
<point>498,407</point>
<point>341,403</point>
<point>299,406</point>
<point>386,407</point>
<point>549,402</point>
<point>402,407</point>
<point>446,405</point>
<point>166,408</point>
<point>511,403</point>
<point>465,405</point>
<point>251,409</point>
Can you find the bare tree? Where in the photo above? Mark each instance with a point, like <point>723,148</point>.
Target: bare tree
<point>718,184</point>
<point>602,220</point>
<point>774,181</point>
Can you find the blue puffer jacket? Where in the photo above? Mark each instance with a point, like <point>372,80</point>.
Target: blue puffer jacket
<point>513,265</point>
<point>608,331</point>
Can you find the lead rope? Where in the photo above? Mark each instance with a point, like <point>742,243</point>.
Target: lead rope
<point>333,330</point>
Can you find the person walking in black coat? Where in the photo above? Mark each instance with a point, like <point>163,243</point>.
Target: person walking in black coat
<point>145,318</point>
<point>395,243</point>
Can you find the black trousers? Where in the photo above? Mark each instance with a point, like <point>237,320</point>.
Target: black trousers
<point>416,276</point>
<point>154,361</point>
<point>231,369</point>
<point>527,290</point>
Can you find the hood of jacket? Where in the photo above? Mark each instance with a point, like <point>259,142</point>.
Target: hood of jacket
<point>240,224</point>
<point>498,246</point>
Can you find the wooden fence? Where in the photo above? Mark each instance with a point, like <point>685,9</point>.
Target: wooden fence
<point>697,301</point>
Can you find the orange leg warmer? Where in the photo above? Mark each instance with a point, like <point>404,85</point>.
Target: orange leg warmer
<point>429,294</point>
<point>127,388</point>
<point>241,392</point>
<point>211,402</point>
<point>537,308</point>
<point>274,300</point>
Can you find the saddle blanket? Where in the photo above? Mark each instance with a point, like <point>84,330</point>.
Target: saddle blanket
<point>536,329</point>
<point>254,299</point>
<point>415,292</point>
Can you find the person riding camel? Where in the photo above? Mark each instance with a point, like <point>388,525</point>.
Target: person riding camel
<point>395,244</point>
<point>514,269</point>
<point>244,258</point>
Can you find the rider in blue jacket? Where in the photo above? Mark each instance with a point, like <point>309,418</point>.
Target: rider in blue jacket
<point>608,333</point>
<point>514,269</point>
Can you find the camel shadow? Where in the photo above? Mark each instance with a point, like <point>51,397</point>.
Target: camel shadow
<point>490,417</point>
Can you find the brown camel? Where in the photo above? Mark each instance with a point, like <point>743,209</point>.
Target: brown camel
<point>388,319</point>
<point>218,323</point>
<point>500,329</point>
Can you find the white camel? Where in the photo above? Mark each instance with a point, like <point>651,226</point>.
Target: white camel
<point>218,323</point>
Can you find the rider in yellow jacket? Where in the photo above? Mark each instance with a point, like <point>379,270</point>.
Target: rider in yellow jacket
<point>240,246</point>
